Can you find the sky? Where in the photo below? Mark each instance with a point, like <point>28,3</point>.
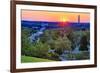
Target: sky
<point>51,16</point>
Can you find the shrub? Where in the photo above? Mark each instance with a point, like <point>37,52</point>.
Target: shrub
<point>83,43</point>
<point>53,56</point>
<point>79,56</point>
<point>40,50</point>
<point>62,44</point>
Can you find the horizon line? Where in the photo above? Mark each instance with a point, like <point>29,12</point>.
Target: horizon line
<point>53,21</point>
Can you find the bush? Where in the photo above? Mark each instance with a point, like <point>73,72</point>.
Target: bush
<point>53,56</point>
<point>83,43</point>
<point>26,47</point>
<point>70,56</point>
<point>80,56</point>
<point>62,44</point>
<point>40,50</point>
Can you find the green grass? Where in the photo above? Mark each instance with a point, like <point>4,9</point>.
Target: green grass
<point>26,59</point>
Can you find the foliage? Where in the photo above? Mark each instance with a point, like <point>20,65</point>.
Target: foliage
<point>25,44</point>
<point>40,50</point>
<point>83,43</point>
<point>79,56</point>
<point>82,56</point>
<point>37,49</point>
<point>53,56</point>
<point>59,40</point>
<point>62,44</point>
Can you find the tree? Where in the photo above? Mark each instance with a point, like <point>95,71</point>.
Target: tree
<point>40,50</point>
<point>62,44</point>
<point>75,37</point>
<point>25,44</point>
<point>83,43</point>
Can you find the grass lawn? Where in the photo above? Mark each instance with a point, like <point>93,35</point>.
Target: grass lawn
<point>26,59</point>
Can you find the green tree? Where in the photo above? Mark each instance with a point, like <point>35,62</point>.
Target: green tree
<point>62,44</point>
<point>25,44</point>
<point>40,50</point>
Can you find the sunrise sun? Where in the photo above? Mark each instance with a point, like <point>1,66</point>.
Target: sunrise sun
<point>63,21</point>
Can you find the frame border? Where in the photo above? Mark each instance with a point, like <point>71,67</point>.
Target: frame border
<point>13,35</point>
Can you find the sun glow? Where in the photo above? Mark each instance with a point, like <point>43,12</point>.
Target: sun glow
<point>63,21</point>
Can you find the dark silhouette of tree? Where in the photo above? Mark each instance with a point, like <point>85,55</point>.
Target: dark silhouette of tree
<point>84,43</point>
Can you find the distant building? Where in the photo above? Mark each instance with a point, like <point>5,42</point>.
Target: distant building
<point>79,19</point>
